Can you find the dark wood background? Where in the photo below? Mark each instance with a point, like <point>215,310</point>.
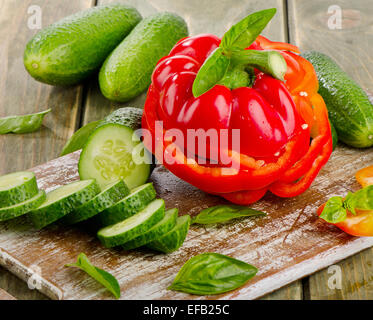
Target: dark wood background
<point>301,22</point>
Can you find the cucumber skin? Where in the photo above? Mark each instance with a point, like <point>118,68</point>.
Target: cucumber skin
<point>159,230</point>
<point>70,50</point>
<point>127,71</point>
<point>334,135</point>
<point>174,239</point>
<point>21,209</point>
<point>128,116</point>
<point>345,101</point>
<point>41,217</point>
<point>127,207</point>
<point>97,204</point>
<point>121,239</point>
<point>20,193</point>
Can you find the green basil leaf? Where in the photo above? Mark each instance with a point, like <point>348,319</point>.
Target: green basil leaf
<point>101,276</point>
<point>334,210</point>
<point>223,213</point>
<point>22,124</point>
<point>211,72</point>
<point>79,138</point>
<point>361,199</point>
<point>212,273</point>
<point>244,33</point>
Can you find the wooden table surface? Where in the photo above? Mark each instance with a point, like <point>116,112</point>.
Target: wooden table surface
<point>301,22</point>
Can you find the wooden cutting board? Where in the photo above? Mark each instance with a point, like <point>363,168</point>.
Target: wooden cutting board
<point>286,245</point>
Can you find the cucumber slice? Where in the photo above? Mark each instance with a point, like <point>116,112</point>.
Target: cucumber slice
<point>62,201</point>
<point>20,209</point>
<point>157,231</point>
<point>173,239</point>
<point>107,157</point>
<point>17,187</point>
<point>132,227</point>
<point>137,200</point>
<point>105,199</point>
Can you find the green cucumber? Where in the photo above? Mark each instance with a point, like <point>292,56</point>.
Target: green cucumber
<point>173,239</point>
<point>127,116</point>
<point>67,52</point>
<point>132,227</point>
<point>109,155</point>
<point>62,201</point>
<point>157,231</point>
<point>334,135</point>
<point>20,209</point>
<point>17,187</point>
<point>127,71</point>
<point>137,200</point>
<point>348,105</point>
<point>105,199</point>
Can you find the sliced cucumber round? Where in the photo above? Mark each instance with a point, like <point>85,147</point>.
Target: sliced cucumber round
<point>105,199</point>
<point>62,201</point>
<point>17,187</point>
<point>132,227</point>
<point>137,200</point>
<point>157,231</point>
<point>108,156</point>
<point>20,209</point>
<point>173,239</point>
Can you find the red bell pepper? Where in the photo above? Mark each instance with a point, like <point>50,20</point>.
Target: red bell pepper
<point>274,118</point>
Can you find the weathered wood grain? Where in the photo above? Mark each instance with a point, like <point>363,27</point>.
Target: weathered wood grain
<point>351,47</point>
<point>286,245</point>
<point>20,94</point>
<point>5,296</point>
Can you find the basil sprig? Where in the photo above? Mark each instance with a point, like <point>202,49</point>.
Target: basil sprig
<point>22,124</point>
<point>101,276</point>
<point>244,33</point>
<point>335,209</point>
<point>231,55</point>
<point>212,273</point>
<point>223,213</point>
<point>211,72</point>
<point>79,138</point>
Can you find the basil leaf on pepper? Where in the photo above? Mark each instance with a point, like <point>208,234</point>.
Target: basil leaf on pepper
<point>244,33</point>
<point>335,209</point>
<point>362,199</point>
<point>212,273</point>
<point>211,72</point>
<point>223,213</point>
<point>101,276</point>
<point>22,124</point>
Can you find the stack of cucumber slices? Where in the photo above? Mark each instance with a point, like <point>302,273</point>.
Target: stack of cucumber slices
<point>19,194</point>
<point>129,219</point>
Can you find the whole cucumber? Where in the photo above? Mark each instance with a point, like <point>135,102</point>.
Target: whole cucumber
<point>349,107</point>
<point>67,52</point>
<point>127,71</point>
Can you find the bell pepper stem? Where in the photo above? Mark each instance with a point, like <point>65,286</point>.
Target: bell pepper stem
<point>270,62</point>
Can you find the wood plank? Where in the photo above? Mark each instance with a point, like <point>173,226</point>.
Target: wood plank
<point>286,245</point>
<point>351,47</point>
<point>5,296</point>
<point>20,94</point>
<point>201,18</point>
